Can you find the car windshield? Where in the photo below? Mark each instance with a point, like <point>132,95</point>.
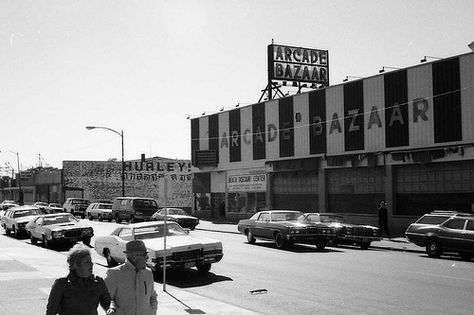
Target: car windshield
<point>285,216</point>
<point>174,211</point>
<point>41,204</point>
<point>156,231</point>
<point>432,219</point>
<point>56,205</point>
<point>59,219</point>
<point>79,202</point>
<point>24,213</point>
<point>333,218</point>
<point>144,203</point>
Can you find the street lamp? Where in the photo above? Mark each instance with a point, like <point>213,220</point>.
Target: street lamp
<point>20,192</point>
<point>123,163</point>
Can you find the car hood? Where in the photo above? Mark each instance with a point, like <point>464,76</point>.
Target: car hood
<point>350,225</point>
<point>180,216</point>
<point>299,224</point>
<point>65,226</point>
<point>182,243</point>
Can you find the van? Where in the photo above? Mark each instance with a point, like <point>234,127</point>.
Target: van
<point>133,209</point>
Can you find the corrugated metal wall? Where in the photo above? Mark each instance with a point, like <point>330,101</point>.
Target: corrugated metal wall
<point>467,96</point>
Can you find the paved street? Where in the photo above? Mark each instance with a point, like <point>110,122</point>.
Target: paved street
<point>393,278</point>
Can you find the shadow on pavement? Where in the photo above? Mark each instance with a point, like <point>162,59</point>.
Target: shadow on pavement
<point>296,248</point>
<point>190,278</point>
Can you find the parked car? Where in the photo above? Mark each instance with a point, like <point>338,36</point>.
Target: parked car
<point>133,209</point>
<point>444,231</point>
<point>283,227</point>
<point>7,204</point>
<point>55,228</point>
<point>55,208</point>
<point>182,250</point>
<point>346,233</point>
<point>43,206</point>
<point>177,215</point>
<point>16,218</point>
<point>100,211</point>
<point>76,206</point>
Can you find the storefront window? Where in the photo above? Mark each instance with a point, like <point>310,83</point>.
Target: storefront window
<point>246,202</point>
<point>202,201</point>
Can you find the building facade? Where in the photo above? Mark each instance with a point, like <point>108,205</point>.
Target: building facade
<point>404,136</point>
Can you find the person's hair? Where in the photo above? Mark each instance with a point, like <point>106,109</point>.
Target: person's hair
<point>77,253</point>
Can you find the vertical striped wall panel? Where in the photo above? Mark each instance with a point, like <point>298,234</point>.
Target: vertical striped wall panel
<point>286,126</point>
<point>246,131</point>
<point>224,138</point>
<point>335,120</point>
<point>354,117</point>
<point>447,101</point>
<point>258,129</point>
<point>214,134</point>
<point>271,137</point>
<point>467,96</point>
<point>374,119</point>
<point>396,109</point>
<point>301,117</point>
<point>420,106</point>
<point>194,137</point>
<point>235,136</point>
<point>318,120</point>
<point>204,133</point>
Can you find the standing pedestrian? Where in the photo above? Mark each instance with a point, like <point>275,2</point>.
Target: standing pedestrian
<point>80,292</point>
<point>131,284</point>
<point>383,219</point>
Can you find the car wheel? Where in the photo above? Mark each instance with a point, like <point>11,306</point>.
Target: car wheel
<point>117,218</point>
<point>33,240</point>
<point>204,268</point>
<point>110,260</point>
<point>83,216</point>
<point>99,217</point>
<point>132,219</point>
<point>321,245</point>
<point>7,231</point>
<point>365,245</point>
<point>280,241</point>
<point>89,216</point>
<point>15,232</point>
<point>433,249</point>
<point>86,241</point>
<point>334,243</point>
<point>465,256</point>
<point>250,237</point>
<point>46,242</point>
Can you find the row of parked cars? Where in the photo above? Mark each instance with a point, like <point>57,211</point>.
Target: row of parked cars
<point>439,231</point>
<point>183,251</point>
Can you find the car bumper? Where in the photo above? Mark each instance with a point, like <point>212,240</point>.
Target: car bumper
<point>171,263</point>
<point>359,239</point>
<point>309,238</point>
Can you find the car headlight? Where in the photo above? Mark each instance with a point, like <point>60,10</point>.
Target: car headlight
<point>58,234</point>
<point>297,230</point>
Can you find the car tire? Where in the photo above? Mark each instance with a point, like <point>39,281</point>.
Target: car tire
<point>99,217</point>
<point>250,237</point>
<point>89,216</point>
<point>83,216</point>
<point>7,231</point>
<point>117,218</point>
<point>86,241</point>
<point>280,241</point>
<point>110,260</point>
<point>132,219</point>
<point>33,240</point>
<point>433,248</point>
<point>364,245</point>
<point>334,243</point>
<point>203,268</point>
<point>16,233</point>
<point>321,245</point>
<point>465,256</point>
<point>46,242</point>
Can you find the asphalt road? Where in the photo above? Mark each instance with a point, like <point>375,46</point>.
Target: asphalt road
<point>343,280</point>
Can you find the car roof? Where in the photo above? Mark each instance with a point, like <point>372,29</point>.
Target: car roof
<point>19,208</point>
<point>134,198</point>
<point>144,224</point>
<point>450,213</point>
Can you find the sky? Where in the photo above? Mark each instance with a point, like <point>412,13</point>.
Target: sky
<point>145,66</point>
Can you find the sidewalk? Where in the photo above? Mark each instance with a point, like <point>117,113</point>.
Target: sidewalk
<point>396,243</point>
<point>27,273</point>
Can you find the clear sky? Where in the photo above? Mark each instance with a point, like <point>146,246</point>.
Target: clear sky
<point>144,66</point>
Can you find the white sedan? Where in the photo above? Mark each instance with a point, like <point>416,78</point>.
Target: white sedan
<point>182,249</point>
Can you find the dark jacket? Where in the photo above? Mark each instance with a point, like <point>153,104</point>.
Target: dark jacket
<point>383,215</point>
<point>74,295</point>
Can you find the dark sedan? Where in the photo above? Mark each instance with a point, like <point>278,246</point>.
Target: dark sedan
<point>346,233</point>
<point>177,215</point>
<point>444,231</point>
<point>283,227</point>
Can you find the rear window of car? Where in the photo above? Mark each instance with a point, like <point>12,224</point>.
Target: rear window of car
<point>105,206</point>
<point>145,203</point>
<point>59,219</point>
<point>432,219</point>
<point>80,202</point>
<point>285,216</point>
<point>24,213</point>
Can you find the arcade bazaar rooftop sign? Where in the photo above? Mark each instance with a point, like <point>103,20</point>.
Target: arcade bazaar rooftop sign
<point>298,64</point>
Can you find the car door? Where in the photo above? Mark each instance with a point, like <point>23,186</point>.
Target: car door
<point>262,226</point>
<point>468,236</point>
<point>34,227</point>
<point>451,235</point>
<point>117,248</point>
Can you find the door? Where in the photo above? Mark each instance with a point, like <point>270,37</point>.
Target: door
<point>261,225</point>
<point>468,236</point>
<point>452,234</point>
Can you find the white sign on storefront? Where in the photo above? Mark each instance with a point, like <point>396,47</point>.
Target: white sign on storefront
<point>245,183</point>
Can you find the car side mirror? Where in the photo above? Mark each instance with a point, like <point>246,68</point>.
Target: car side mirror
<point>187,230</point>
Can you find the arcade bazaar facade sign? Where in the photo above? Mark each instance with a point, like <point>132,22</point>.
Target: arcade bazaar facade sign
<point>288,63</point>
